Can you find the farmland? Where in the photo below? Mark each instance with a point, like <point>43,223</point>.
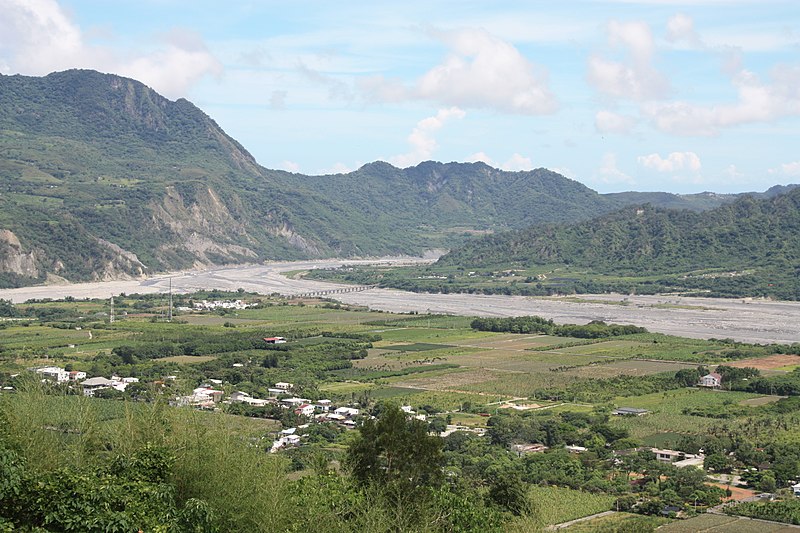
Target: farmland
<point>518,388</point>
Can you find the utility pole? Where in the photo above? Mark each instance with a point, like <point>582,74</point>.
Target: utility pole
<point>169,312</point>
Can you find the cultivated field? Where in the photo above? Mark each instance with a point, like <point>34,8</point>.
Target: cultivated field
<point>771,362</point>
<point>724,524</point>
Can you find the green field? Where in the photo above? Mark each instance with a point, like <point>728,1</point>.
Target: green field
<point>554,505</point>
<point>723,524</point>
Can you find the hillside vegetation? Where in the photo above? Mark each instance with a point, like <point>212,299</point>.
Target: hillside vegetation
<point>750,247</point>
<point>748,233</point>
<point>101,177</point>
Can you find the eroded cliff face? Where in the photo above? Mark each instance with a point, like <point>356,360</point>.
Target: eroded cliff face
<point>112,262</point>
<point>14,259</point>
<point>203,227</point>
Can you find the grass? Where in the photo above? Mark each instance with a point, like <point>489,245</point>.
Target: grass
<point>417,347</point>
<point>554,505</point>
<point>620,522</point>
<point>721,524</point>
<point>666,411</point>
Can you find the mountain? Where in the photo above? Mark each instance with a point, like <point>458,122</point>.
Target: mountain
<point>643,240</point>
<point>101,177</point>
<point>695,202</point>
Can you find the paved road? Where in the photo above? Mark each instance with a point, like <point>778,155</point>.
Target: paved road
<point>760,321</point>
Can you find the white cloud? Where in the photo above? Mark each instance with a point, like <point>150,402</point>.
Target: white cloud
<point>481,71</point>
<point>680,28</point>
<point>787,169</point>
<point>757,102</point>
<point>337,168</point>
<point>482,157</point>
<point>610,122</point>
<point>516,163</point>
<point>733,173</point>
<point>277,100</point>
<point>610,173</point>
<point>636,78</point>
<point>289,166</point>
<point>674,162</point>
<point>423,144</point>
<point>37,37</point>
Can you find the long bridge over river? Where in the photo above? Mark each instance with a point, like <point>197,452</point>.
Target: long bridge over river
<point>328,292</point>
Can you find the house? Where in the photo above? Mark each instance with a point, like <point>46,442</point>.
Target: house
<point>94,384</point>
<point>240,397</point>
<point>629,411</point>
<point>712,380</point>
<point>571,448</point>
<point>295,402</point>
<point>796,489</point>
<point>347,412</point>
<point>274,340</point>
<point>283,386</point>
<point>77,376</point>
<point>305,409</point>
<point>324,405</point>
<point>675,456</point>
<point>205,394</point>
<point>53,373</point>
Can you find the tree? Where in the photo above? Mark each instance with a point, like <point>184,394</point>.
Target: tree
<point>716,462</point>
<point>509,491</point>
<point>392,450</point>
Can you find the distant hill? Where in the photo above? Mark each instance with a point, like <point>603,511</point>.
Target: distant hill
<point>101,177</point>
<point>695,202</point>
<point>643,240</point>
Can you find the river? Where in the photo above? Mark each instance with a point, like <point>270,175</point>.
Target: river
<point>746,320</point>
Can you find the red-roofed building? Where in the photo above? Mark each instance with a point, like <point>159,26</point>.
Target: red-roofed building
<point>274,340</point>
<point>712,380</point>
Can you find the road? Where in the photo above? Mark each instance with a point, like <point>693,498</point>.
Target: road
<point>758,321</point>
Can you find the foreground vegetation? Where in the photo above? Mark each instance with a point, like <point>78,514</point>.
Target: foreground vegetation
<point>481,392</point>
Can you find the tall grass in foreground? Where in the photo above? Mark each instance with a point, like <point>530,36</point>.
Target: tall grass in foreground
<point>245,487</point>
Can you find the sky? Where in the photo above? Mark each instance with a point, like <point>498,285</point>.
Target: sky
<point>679,96</point>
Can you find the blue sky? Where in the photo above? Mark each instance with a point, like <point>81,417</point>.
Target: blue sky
<point>682,96</point>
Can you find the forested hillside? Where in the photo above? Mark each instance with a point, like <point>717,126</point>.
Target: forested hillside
<point>637,240</point>
<point>101,177</point>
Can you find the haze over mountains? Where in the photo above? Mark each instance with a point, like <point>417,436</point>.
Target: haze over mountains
<point>101,177</point>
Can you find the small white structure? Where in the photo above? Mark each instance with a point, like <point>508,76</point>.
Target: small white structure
<point>796,489</point>
<point>347,412</point>
<point>94,384</point>
<point>53,373</point>
<point>712,380</point>
<point>283,386</point>
<point>305,409</point>
<point>76,375</point>
<point>574,449</point>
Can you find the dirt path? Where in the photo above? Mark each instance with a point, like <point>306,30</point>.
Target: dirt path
<point>564,525</point>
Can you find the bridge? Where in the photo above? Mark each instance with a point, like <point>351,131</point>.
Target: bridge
<point>328,292</point>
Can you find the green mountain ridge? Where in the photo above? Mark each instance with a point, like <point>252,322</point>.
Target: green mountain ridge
<point>101,178</point>
<point>645,240</point>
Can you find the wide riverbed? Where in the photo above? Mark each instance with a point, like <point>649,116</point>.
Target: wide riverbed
<point>760,321</point>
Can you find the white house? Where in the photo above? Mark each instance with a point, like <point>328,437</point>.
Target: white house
<point>305,409</point>
<point>283,385</point>
<point>712,380</point>
<point>796,489</point>
<point>347,411</point>
<point>94,384</point>
<point>53,373</point>
<point>76,375</point>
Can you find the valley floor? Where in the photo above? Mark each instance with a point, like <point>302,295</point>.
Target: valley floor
<point>754,321</point>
